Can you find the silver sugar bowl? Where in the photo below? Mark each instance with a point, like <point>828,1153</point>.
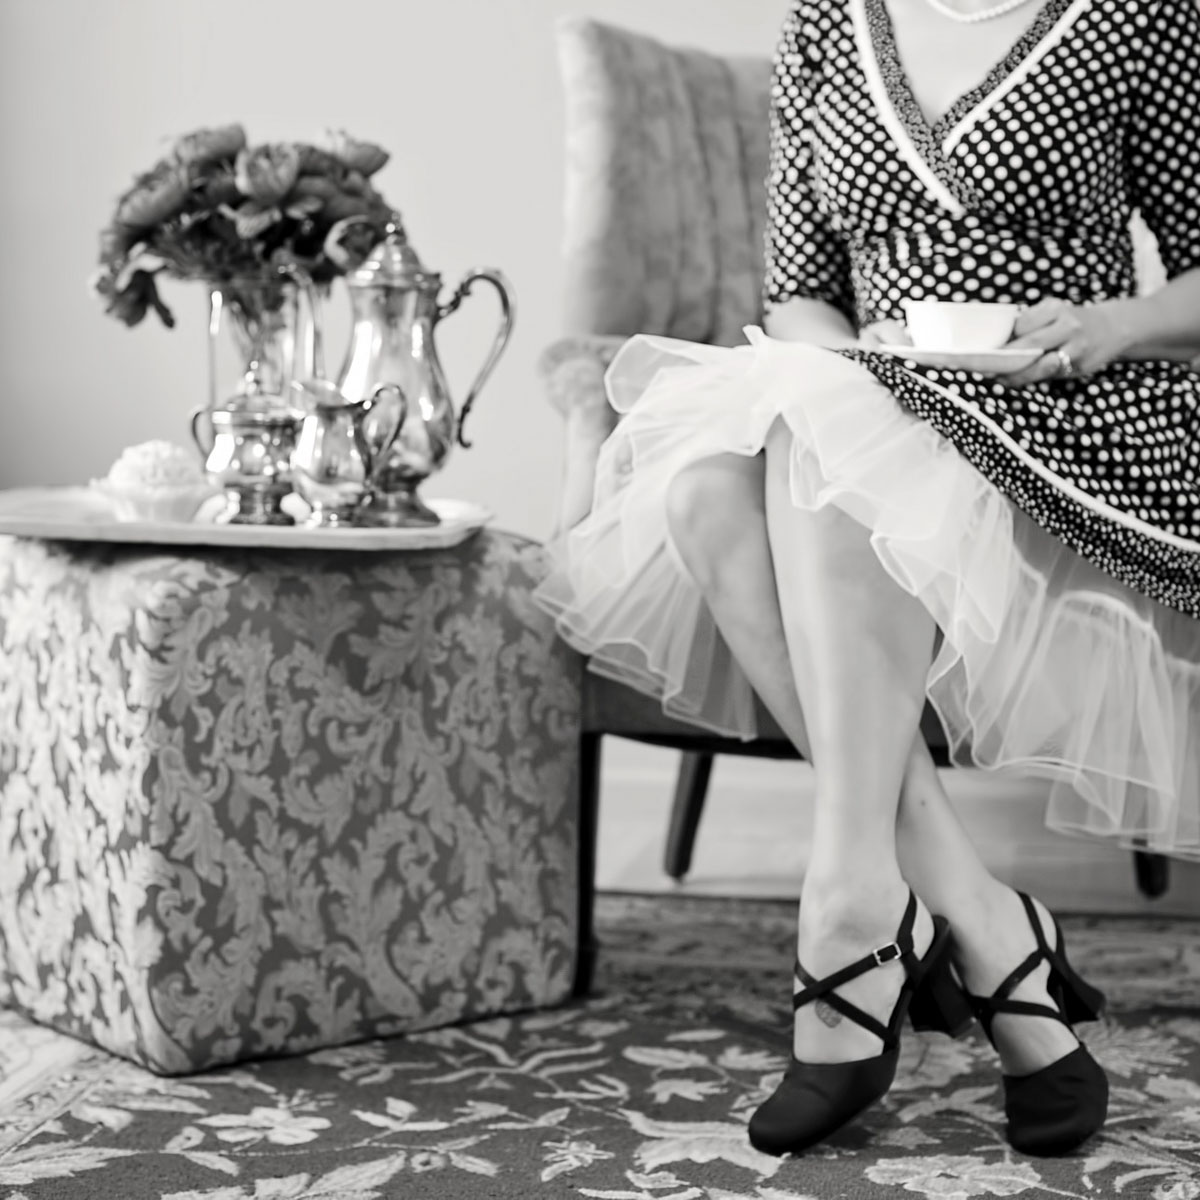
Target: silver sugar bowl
<point>248,453</point>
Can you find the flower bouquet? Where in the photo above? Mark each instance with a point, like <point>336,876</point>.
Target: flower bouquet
<point>253,224</point>
<point>219,210</point>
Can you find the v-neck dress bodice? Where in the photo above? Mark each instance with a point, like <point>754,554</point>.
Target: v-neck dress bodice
<point>1029,181</point>
<point>1052,531</point>
<point>1022,48</point>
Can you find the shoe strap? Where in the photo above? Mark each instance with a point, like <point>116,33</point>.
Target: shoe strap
<point>986,1008</point>
<point>1053,954</point>
<point>1035,923</point>
<point>1017,976</point>
<point>817,991</point>
<point>901,950</point>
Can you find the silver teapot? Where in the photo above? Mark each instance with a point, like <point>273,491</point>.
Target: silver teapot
<point>334,462</point>
<point>395,313</point>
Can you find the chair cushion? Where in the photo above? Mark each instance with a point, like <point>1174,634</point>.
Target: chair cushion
<point>611,707</point>
<point>614,708</point>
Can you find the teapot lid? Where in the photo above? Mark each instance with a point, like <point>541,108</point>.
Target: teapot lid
<point>393,262</point>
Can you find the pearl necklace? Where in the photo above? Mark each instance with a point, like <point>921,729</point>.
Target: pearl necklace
<point>969,18</point>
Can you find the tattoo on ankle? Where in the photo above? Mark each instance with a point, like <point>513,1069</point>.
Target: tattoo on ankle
<point>828,1014</point>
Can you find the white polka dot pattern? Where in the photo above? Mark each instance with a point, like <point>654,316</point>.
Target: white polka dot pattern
<point>1097,122</point>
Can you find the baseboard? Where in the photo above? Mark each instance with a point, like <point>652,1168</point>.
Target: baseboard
<point>755,833</point>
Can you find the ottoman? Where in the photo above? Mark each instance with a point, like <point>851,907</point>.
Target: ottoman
<point>254,802</point>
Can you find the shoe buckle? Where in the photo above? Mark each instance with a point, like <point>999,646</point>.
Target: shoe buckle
<point>886,954</point>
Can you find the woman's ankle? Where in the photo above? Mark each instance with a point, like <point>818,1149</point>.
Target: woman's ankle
<point>858,899</point>
<point>972,907</point>
<point>964,894</point>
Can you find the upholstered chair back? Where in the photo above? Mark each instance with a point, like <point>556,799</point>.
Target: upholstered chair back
<point>666,163</point>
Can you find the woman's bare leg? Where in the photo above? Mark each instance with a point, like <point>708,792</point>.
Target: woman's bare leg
<point>718,519</point>
<point>853,893</point>
<point>716,511</point>
<point>991,930</point>
<point>855,662</point>
<point>860,649</point>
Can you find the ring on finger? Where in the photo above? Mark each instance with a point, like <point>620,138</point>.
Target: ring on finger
<point>1064,366</point>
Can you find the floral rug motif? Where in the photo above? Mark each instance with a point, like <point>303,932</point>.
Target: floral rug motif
<point>640,1093</point>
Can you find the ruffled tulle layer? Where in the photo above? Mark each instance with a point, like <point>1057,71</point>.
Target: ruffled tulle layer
<point>1047,666</point>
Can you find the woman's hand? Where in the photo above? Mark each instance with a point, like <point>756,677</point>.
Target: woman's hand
<point>883,333</point>
<point>1077,340</point>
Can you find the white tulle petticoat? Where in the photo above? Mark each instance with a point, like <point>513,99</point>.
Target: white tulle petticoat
<point>1047,666</point>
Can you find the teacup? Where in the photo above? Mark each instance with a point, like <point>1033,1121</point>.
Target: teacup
<point>969,325</point>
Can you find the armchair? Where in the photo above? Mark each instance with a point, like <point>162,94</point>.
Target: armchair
<point>665,209</point>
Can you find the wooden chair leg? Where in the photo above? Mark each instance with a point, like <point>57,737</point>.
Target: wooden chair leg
<point>691,790</point>
<point>1153,873</point>
<point>589,816</point>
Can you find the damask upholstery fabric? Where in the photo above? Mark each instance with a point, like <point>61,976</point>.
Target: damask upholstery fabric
<point>253,803</point>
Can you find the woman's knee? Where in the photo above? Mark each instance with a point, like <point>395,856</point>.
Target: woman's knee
<point>709,505</point>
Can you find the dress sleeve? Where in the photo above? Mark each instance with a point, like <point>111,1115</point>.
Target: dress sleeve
<point>1163,148</point>
<point>805,256</point>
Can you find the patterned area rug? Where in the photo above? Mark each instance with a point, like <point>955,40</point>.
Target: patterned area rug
<point>641,1093</point>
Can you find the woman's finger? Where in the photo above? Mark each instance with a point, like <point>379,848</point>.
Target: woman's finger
<point>1046,337</point>
<point>1041,370</point>
<point>1037,316</point>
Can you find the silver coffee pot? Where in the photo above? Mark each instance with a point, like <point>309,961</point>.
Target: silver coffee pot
<point>396,310</point>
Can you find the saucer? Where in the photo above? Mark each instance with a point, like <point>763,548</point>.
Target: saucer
<point>991,362</point>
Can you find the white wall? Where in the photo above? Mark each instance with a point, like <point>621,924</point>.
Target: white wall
<point>465,94</point>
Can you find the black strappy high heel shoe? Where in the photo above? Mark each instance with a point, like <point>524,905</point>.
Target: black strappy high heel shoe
<point>1057,1108</point>
<point>815,1099</point>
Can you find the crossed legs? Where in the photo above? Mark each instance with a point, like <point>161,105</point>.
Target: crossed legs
<point>839,653</point>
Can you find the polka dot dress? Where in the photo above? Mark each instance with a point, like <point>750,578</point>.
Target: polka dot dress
<point>1024,190</point>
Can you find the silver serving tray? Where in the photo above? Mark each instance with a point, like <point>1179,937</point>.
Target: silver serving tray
<point>80,514</point>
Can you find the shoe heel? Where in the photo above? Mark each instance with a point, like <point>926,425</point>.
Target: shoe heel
<point>1077,1000</point>
<point>939,1004</point>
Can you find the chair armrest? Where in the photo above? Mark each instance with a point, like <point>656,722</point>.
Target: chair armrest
<point>572,370</point>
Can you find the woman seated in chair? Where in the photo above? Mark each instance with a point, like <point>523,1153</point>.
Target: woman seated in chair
<point>845,525</point>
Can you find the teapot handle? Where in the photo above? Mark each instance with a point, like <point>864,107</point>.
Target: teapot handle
<point>197,414</point>
<point>507,312</point>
